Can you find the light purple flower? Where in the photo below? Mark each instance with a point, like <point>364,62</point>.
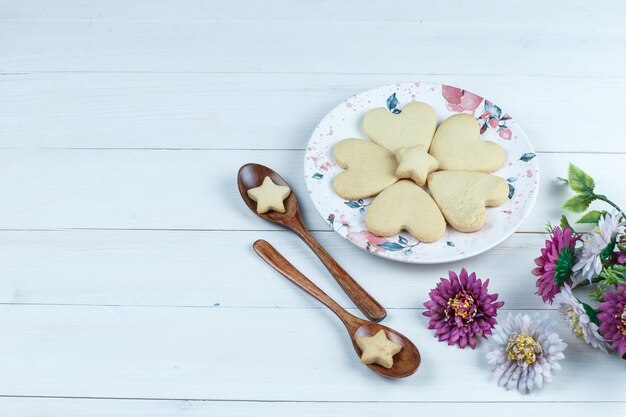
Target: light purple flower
<point>578,319</point>
<point>554,266</point>
<point>461,310</point>
<point>613,318</point>
<point>524,352</point>
<point>599,245</point>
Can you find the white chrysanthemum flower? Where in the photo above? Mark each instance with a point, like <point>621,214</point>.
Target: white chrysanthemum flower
<point>524,352</point>
<point>577,277</point>
<point>590,262</point>
<point>578,319</point>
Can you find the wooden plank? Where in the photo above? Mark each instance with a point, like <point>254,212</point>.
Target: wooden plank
<point>287,46</point>
<point>219,269</point>
<point>69,407</point>
<point>235,354</point>
<point>247,111</point>
<point>50,189</point>
<point>490,11</point>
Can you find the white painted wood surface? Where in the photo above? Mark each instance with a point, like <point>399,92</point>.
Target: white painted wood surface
<point>127,281</point>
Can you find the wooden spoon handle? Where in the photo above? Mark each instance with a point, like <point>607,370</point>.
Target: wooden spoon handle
<point>277,261</point>
<point>361,298</point>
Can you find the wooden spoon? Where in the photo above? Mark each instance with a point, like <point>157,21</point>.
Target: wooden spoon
<point>405,362</point>
<point>251,176</point>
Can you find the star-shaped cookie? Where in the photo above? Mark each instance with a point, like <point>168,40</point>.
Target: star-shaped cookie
<point>415,163</point>
<point>269,196</point>
<point>378,349</point>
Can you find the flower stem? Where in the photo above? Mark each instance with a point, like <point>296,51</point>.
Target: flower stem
<point>586,282</point>
<point>609,202</point>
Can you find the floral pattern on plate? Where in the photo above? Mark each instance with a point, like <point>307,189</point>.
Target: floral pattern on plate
<point>521,171</point>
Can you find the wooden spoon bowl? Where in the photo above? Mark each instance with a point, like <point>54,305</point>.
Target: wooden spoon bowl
<point>405,362</point>
<point>251,176</point>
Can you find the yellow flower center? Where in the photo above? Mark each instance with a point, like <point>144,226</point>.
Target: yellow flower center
<point>523,349</point>
<point>462,305</point>
<point>574,319</point>
<point>621,326</point>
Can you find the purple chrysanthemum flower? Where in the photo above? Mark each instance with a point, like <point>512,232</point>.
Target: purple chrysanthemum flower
<point>613,318</point>
<point>461,310</point>
<point>554,266</point>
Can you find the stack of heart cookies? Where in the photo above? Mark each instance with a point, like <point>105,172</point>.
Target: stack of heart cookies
<point>422,175</point>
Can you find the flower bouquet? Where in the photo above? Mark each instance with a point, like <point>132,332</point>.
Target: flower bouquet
<point>571,260</point>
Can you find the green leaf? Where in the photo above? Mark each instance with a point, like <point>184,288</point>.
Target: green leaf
<point>597,294</point>
<point>579,180</point>
<point>527,156</point>
<point>614,275</point>
<point>562,180</point>
<point>392,246</point>
<point>608,250</point>
<point>578,203</point>
<point>593,217</point>
<point>564,222</point>
<point>593,317</point>
<point>563,268</point>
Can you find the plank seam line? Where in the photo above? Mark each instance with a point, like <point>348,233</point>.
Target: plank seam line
<point>233,307</point>
<point>426,74</point>
<point>114,229</point>
<point>358,21</point>
<point>303,401</point>
<point>12,148</point>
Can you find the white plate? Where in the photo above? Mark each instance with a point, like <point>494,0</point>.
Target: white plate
<point>521,170</point>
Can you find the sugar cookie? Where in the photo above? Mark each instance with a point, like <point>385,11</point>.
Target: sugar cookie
<point>463,195</point>
<point>269,196</point>
<point>415,125</point>
<point>457,145</point>
<point>415,163</point>
<point>378,349</point>
<point>405,206</point>
<point>370,168</point>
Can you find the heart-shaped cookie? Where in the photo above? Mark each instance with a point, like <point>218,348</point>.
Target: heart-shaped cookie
<point>456,145</point>
<point>415,125</point>
<point>405,206</point>
<point>369,169</point>
<point>463,195</point>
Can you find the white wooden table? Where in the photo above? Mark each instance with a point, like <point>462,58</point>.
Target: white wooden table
<point>127,279</point>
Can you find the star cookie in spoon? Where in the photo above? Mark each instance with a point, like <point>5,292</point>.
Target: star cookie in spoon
<point>377,349</point>
<point>269,196</point>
